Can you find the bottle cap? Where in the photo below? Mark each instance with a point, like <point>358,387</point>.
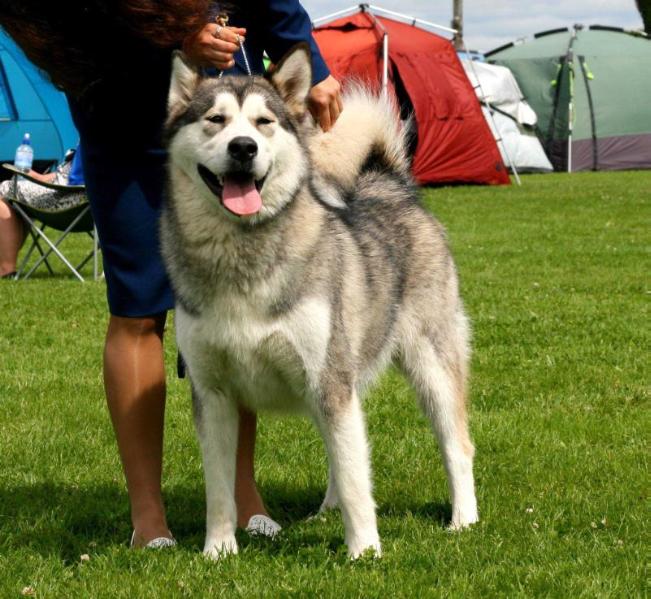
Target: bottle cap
<point>27,140</point>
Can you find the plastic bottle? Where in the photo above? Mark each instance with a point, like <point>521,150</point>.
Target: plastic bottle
<point>24,154</point>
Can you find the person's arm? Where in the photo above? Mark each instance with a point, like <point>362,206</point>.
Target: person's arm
<point>46,178</point>
<point>287,24</point>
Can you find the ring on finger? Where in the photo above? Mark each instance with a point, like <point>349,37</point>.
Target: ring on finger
<point>218,31</point>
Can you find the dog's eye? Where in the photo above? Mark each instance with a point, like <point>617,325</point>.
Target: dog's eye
<point>263,121</point>
<point>217,118</point>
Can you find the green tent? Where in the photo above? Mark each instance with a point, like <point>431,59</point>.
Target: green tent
<point>591,90</point>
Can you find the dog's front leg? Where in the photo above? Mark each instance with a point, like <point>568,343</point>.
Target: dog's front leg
<point>342,424</point>
<point>217,419</point>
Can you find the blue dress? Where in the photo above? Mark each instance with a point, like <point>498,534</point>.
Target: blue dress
<point>120,121</point>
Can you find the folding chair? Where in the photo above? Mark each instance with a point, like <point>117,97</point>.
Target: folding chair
<point>75,219</point>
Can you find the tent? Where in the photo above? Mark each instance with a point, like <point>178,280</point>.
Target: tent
<point>29,103</point>
<point>508,115</point>
<point>590,88</point>
<point>453,141</point>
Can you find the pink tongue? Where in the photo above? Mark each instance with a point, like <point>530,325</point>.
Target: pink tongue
<point>241,198</point>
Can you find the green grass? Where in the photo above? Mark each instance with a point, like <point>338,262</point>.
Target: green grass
<point>555,278</point>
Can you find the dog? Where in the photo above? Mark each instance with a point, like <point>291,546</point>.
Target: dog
<point>302,263</point>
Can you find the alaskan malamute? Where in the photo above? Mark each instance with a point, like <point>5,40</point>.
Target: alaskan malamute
<point>302,263</point>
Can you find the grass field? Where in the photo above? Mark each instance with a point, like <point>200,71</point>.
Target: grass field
<point>555,279</point>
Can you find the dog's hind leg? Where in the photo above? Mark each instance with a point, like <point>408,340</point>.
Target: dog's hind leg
<point>216,420</point>
<point>344,433</point>
<point>439,378</point>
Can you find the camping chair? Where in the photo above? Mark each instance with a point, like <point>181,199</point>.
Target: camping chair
<point>75,219</point>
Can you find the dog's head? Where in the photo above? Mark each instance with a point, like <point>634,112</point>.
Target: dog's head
<point>239,139</point>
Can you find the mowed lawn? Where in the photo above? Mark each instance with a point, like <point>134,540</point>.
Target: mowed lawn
<point>555,279</point>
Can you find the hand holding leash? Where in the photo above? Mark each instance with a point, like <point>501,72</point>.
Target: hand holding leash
<point>215,45</point>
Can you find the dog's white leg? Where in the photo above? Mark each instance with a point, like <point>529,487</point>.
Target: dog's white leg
<point>344,433</point>
<point>216,419</point>
<point>330,501</point>
<point>441,387</point>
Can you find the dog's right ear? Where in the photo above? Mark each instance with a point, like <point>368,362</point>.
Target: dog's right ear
<point>184,82</point>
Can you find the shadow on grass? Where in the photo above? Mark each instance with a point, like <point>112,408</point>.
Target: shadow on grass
<point>67,520</point>
<point>440,513</point>
<point>63,519</point>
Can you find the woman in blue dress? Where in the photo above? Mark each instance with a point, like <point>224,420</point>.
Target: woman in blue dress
<point>113,59</point>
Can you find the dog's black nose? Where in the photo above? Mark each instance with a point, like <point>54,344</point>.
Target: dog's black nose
<point>242,148</point>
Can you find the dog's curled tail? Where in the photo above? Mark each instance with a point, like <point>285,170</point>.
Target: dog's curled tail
<point>367,136</point>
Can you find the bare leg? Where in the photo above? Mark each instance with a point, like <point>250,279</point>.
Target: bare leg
<point>134,379</point>
<point>249,502</point>
<point>12,236</point>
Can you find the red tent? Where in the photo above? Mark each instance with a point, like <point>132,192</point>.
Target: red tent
<point>454,141</point>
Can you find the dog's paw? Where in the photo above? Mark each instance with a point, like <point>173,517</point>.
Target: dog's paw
<point>218,548</point>
<point>463,518</point>
<point>368,547</point>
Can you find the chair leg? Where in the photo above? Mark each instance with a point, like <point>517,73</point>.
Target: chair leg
<point>85,261</point>
<point>54,246</point>
<point>95,254</point>
<point>29,253</point>
<point>44,255</point>
<point>35,245</point>
<point>37,234</point>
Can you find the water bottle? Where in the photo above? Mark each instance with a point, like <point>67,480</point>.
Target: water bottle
<point>24,154</point>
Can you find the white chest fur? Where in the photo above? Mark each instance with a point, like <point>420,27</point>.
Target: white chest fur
<point>262,361</point>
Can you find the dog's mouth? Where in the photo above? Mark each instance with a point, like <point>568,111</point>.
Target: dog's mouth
<point>238,192</point>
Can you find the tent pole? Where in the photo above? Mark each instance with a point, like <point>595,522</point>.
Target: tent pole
<point>457,23</point>
<point>413,20</point>
<point>385,46</point>
<point>569,138</point>
<point>385,62</point>
<point>570,110</point>
<point>498,139</point>
<point>570,105</point>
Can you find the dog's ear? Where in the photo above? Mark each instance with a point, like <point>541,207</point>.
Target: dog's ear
<point>184,81</point>
<point>292,78</point>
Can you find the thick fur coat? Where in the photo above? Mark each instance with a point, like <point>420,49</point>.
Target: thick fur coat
<point>294,292</point>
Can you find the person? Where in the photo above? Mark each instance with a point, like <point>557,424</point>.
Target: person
<point>114,60</point>
<point>12,231</point>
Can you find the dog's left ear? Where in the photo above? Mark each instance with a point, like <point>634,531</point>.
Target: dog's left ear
<point>184,81</point>
<point>292,78</point>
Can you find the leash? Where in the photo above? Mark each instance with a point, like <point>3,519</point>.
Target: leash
<point>222,21</point>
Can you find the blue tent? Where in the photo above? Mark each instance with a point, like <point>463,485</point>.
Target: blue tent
<point>29,103</point>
